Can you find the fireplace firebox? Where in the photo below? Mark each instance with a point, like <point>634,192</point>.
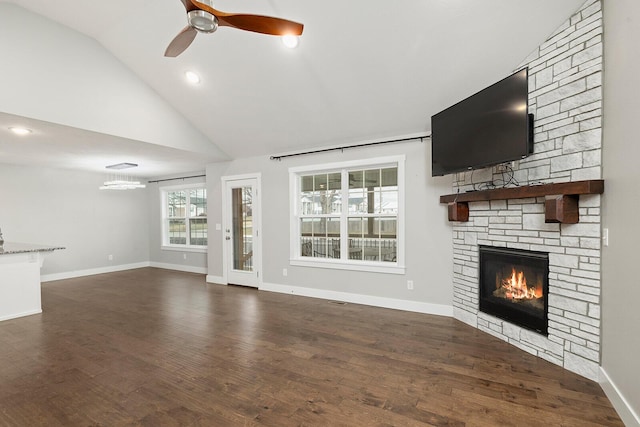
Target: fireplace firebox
<point>513,286</point>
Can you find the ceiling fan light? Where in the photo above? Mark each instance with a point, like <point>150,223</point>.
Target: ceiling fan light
<point>203,21</point>
<point>290,41</point>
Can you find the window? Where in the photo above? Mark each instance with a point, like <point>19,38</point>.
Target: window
<point>348,215</point>
<point>184,217</point>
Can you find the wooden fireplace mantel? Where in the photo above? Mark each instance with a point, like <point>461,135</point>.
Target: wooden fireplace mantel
<point>561,204</point>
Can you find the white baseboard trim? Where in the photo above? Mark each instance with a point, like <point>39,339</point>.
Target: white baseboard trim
<point>92,271</point>
<point>624,409</point>
<point>24,313</point>
<point>218,280</point>
<point>178,267</point>
<point>397,304</point>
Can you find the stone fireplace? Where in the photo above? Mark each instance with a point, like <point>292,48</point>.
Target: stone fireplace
<point>565,96</point>
<point>513,285</point>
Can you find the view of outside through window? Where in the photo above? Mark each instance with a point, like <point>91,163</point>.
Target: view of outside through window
<point>371,213</point>
<point>242,201</point>
<point>187,217</point>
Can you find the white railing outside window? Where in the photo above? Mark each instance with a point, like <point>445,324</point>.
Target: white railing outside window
<point>349,215</point>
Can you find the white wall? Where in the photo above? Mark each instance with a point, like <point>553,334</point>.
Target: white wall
<point>428,248</point>
<point>66,208</point>
<point>621,201</point>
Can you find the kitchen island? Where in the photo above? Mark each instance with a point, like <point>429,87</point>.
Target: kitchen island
<point>20,265</point>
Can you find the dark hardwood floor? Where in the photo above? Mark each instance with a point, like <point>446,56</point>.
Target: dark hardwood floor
<point>155,347</point>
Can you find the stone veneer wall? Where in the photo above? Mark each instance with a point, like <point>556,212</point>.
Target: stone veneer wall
<point>565,95</point>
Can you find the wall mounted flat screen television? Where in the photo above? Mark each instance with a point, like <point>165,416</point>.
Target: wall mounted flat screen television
<point>491,127</point>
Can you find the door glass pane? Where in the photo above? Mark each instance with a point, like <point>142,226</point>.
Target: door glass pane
<point>241,200</point>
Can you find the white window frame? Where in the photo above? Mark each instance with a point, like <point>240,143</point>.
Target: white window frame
<point>165,216</point>
<point>296,258</point>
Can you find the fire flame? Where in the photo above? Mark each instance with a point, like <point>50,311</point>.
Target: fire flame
<point>516,287</point>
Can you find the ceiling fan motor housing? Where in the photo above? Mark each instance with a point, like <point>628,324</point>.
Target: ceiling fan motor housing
<point>202,21</point>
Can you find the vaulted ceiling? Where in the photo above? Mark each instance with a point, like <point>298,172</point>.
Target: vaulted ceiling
<point>91,80</point>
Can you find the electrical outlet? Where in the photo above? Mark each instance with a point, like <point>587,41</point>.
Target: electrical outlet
<point>184,256</point>
<point>284,272</point>
<point>410,285</point>
<point>605,237</point>
<point>110,257</point>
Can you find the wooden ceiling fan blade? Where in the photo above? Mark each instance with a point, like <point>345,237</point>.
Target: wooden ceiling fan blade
<point>262,24</point>
<point>180,42</point>
<point>188,5</point>
<point>256,23</point>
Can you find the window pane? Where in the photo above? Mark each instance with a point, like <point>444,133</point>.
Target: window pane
<point>356,179</point>
<point>177,232</point>
<point>336,202</point>
<point>333,227</point>
<point>198,202</point>
<point>316,207</point>
<point>306,247</point>
<point>319,226</point>
<point>320,182</point>
<point>355,249</point>
<point>357,202</point>
<point>388,250</point>
<point>385,227</point>
<point>334,248</point>
<point>177,204</point>
<point>371,249</point>
<point>386,202</point>
<point>306,202</point>
<point>306,183</point>
<point>320,247</point>
<point>328,201</point>
<point>372,178</point>
<point>357,227</point>
<point>335,181</point>
<point>389,177</point>
<point>306,227</point>
<point>198,231</point>
<point>371,204</point>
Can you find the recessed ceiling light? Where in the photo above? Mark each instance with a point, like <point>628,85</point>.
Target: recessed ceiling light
<point>20,131</point>
<point>192,77</point>
<point>290,41</point>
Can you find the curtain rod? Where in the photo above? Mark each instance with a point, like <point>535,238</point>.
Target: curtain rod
<point>174,179</point>
<point>344,147</point>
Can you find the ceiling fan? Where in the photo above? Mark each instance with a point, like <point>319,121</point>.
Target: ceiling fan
<point>202,17</point>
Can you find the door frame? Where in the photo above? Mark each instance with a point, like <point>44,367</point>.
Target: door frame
<point>227,222</point>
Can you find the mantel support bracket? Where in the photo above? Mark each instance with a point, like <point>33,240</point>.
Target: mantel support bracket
<point>458,211</point>
<point>562,209</point>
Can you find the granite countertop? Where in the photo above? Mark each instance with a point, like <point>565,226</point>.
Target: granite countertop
<point>20,248</point>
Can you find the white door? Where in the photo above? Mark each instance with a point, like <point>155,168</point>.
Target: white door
<point>242,246</point>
